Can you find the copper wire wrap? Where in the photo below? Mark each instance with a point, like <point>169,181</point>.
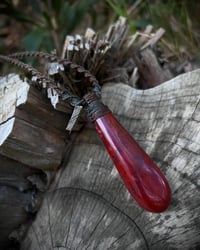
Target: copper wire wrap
<point>95,107</point>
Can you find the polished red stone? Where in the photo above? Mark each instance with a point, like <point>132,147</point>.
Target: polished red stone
<point>142,177</point>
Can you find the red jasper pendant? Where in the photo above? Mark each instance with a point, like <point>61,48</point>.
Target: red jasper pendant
<point>144,180</point>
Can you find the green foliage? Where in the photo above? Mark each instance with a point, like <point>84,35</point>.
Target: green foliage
<point>43,24</point>
<point>181,22</point>
<point>35,38</point>
<point>180,19</point>
<point>122,8</point>
<point>46,22</point>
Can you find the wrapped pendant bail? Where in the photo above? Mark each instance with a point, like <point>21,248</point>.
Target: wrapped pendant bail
<point>95,108</point>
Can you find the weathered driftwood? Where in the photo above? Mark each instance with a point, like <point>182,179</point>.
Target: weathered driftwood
<point>20,196</point>
<point>150,71</point>
<point>88,207</point>
<point>33,133</point>
<point>32,137</point>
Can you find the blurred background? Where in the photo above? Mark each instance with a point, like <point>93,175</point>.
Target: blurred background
<point>43,24</point>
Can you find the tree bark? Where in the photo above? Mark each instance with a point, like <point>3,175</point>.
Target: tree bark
<point>87,205</point>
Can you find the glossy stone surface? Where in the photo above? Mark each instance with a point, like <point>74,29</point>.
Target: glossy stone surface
<point>144,180</point>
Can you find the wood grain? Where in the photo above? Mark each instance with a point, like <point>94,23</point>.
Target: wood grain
<point>20,197</point>
<point>33,132</point>
<point>88,207</point>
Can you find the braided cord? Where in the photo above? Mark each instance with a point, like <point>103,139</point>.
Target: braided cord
<point>36,54</point>
<point>45,80</point>
<point>40,78</point>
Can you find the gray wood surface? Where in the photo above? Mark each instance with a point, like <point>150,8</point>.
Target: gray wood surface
<point>88,207</point>
<point>32,137</point>
<point>32,131</point>
<point>20,197</point>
